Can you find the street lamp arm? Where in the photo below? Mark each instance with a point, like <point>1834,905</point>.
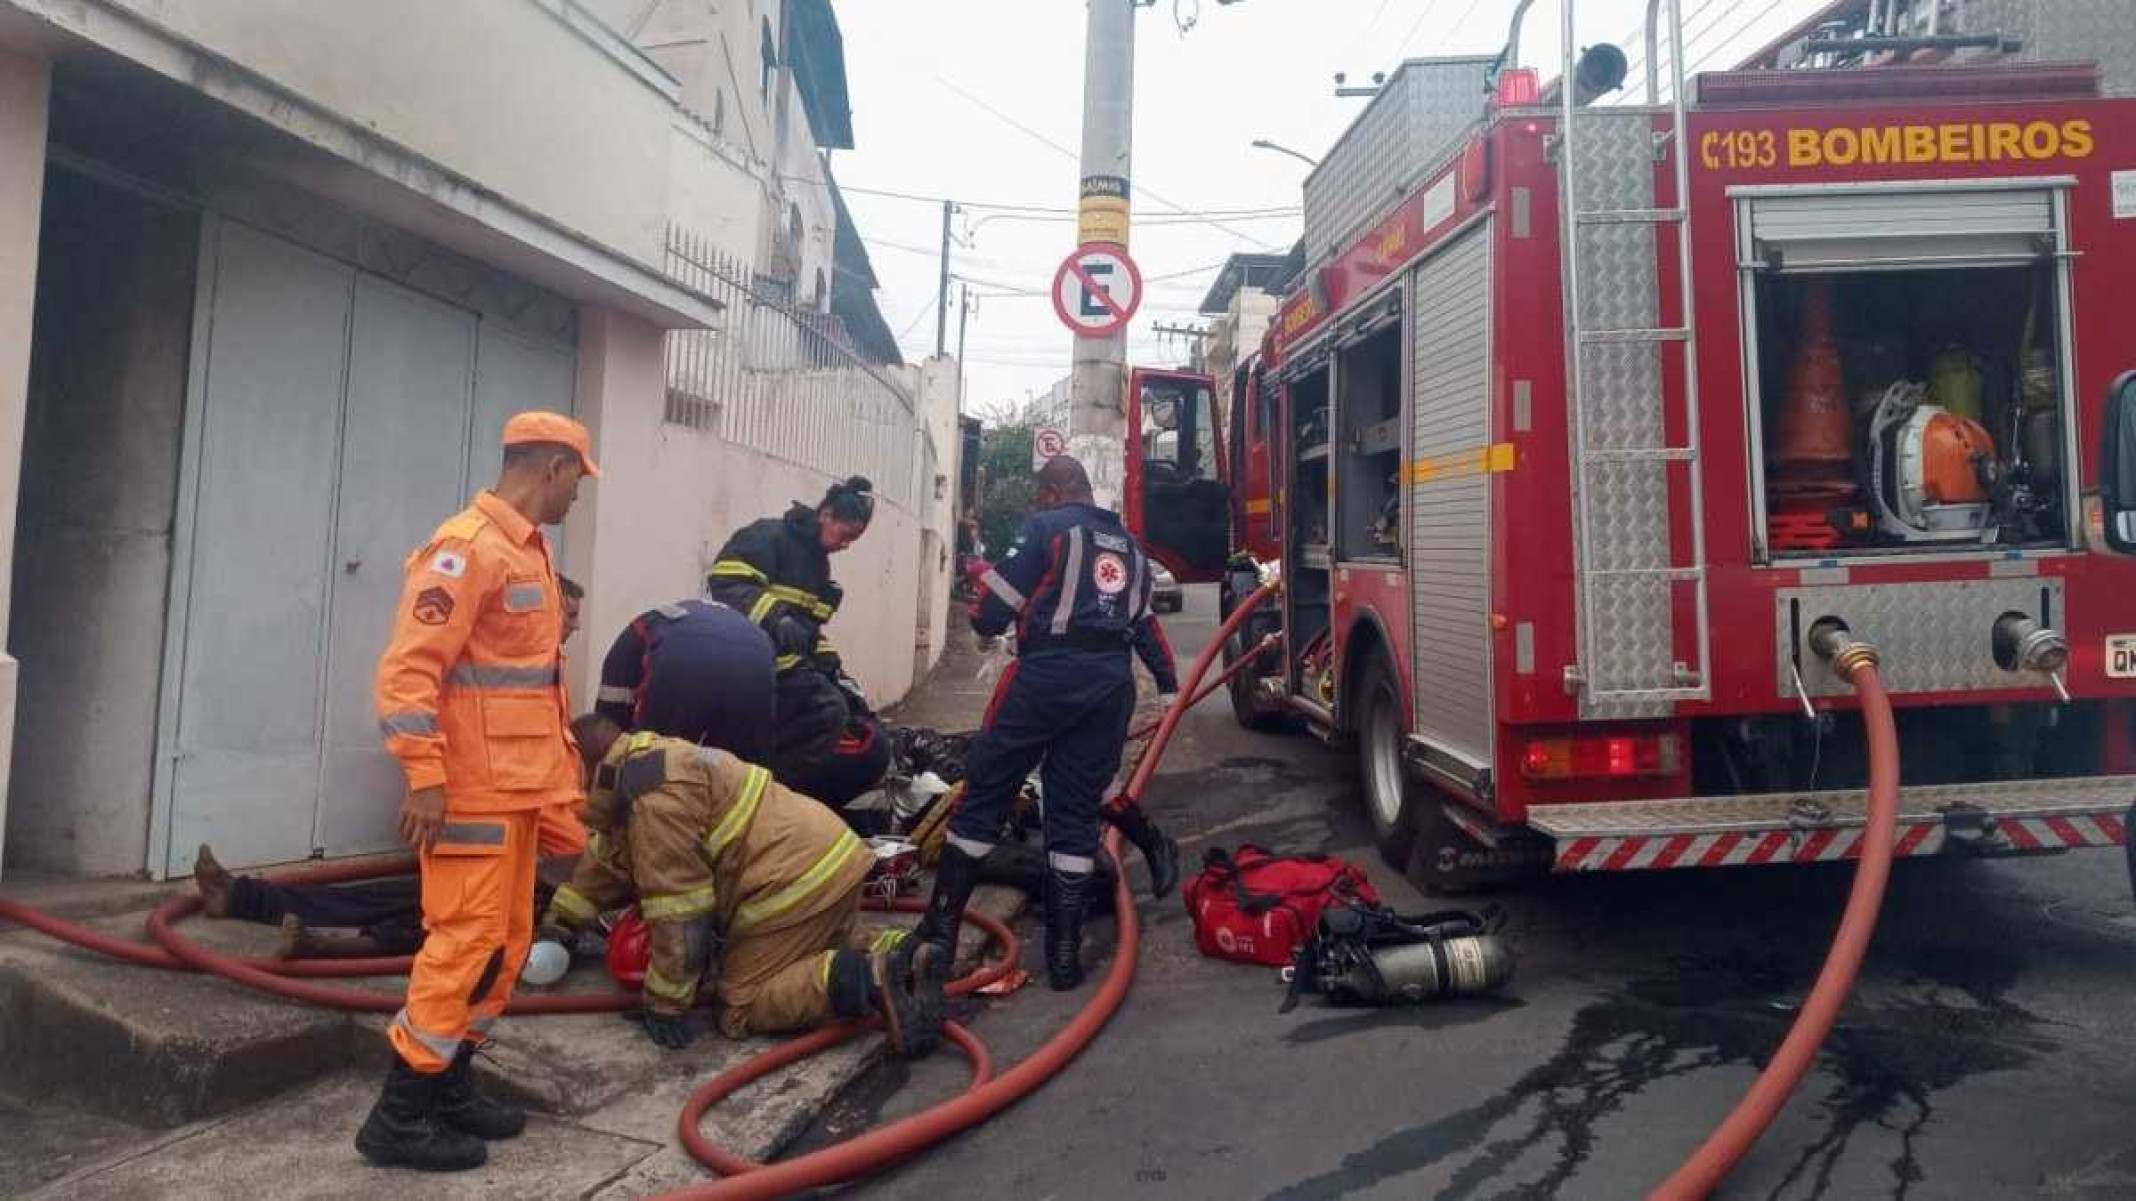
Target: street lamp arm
<point>1265,144</point>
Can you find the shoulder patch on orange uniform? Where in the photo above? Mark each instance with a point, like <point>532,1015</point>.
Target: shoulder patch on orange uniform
<point>433,607</point>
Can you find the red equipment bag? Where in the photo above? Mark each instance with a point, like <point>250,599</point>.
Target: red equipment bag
<point>1250,906</point>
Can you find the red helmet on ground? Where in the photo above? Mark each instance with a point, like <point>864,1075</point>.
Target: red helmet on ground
<point>630,949</point>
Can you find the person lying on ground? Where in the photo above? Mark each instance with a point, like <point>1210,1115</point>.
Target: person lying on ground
<point>743,883</point>
<point>387,914</point>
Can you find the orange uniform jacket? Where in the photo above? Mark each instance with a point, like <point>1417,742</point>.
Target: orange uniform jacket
<point>470,689</point>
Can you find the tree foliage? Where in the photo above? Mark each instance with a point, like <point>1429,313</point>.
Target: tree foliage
<point>1005,455</point>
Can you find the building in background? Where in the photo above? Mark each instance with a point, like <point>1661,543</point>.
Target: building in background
<point>1240,305</point>
<point>272,275</point>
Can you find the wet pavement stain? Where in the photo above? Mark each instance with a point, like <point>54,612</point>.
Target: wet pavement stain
<point>1442,1015</point>
<point>1880,1068</point>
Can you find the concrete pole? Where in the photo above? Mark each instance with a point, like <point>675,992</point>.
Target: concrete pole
<point>942,287</point>
<point>1098,380</point>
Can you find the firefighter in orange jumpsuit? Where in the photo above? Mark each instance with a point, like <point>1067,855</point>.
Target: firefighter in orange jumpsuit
<point>471,700</point>
<point>745,882</point>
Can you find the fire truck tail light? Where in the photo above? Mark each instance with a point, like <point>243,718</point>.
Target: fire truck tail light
<point>1518,86</point>
<point>1613,757</point>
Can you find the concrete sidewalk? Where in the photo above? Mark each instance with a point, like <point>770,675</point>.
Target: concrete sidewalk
<point>125,1082</point>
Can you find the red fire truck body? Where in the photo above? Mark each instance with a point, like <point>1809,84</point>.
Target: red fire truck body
<point>1552,544</point>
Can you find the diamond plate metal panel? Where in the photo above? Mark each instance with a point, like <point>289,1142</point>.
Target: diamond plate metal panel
<point>1833,809</point>
<point>1630,636</point>
<point>1450,535</point>
<point>1934,637</point>
<point>1421,112</point>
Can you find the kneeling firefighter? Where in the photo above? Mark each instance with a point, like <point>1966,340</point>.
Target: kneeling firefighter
<point>1077,587</point>
<point>746,882</point>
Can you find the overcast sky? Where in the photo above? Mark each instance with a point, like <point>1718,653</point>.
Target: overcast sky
<point>981,101</point>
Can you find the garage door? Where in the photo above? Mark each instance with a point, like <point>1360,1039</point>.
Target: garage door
<point>333,426</point>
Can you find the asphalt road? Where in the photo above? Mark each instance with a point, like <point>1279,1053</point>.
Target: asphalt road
<point>1987,1054</point>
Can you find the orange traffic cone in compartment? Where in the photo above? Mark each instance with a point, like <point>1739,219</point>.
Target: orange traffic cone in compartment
<point>1811,465</point>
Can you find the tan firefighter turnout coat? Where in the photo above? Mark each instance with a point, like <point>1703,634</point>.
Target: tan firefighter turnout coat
<point>693,833</point>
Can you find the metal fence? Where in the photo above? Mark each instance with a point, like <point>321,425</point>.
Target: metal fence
<point>783,380</point>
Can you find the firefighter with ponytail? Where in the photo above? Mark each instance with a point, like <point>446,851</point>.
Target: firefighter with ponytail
<point>777,571</point>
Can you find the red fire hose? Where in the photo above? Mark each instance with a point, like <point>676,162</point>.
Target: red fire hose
<point>1703,1172</point>
<point>849,1160</point>
<point>886,1145</point>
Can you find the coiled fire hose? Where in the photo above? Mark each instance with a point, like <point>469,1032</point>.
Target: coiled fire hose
<point>1856,662</point>
<point>986,1095</point>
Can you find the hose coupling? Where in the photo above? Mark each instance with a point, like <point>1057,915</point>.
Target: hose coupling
<point>1838,646</point>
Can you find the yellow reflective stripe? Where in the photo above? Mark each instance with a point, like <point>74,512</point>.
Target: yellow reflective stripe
<point>679,991</point>
<point>802,598</point>
<point>1481,460</point>
<point>641,740</point>
<point>762,608</point>
<point>763,910</point>
<point>786,662</point>
<point>736,569</point>
<point>677,906</point>
<point>823,974</point>
<point>572,905</point>
<point>738,816</point>
<point>888,940</point>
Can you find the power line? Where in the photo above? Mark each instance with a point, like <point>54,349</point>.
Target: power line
<point>1150,192</point>
<point>1056,210</point>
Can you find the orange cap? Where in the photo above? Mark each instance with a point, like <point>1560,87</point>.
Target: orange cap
<point>554,428</point>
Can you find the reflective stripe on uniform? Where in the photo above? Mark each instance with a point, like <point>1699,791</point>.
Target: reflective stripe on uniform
<point>786,662</point>
<point>1003,589</point>
<point>735,569</point>
<point>760,911</point>
<point>971,846</point>
<point>1071,580</point>
<point>762,608</point>
<point>441,1045</point>
<point>1134,588</point>
<point>738,815</point>
<point>413,722</point>
<point>802,598</point>
<point>572,905</point>
<point>888,940</point>
<point>672,612</point>
<point>659,986</point>
<point>472,834</point>
<point>615,694</point>
<point>823,974</point>
<point>482,675</point>
<point>1077,865</point>
<point>676,906</point>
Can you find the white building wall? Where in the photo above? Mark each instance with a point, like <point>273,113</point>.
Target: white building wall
<point>526,97</point>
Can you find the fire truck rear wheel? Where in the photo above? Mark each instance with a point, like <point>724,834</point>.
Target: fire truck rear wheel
<point>1391,800</point>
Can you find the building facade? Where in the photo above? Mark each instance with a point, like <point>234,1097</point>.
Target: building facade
<point>272,275</point>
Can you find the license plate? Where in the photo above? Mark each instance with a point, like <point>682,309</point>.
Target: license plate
<point>2121,656</point>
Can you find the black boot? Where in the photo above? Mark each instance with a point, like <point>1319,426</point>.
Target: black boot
<point>466,1110</point>
<point>403,1129</point>
<point>1158,849</point>
<point>1065,896</point>
<point>901,984</point>
<point>955,876</point>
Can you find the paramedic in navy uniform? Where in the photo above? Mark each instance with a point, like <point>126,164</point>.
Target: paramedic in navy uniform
<point>1076,587</point>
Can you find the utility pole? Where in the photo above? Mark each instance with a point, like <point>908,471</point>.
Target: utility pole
<point>964,313</point>
<point>1097,381</point>
<point>942,288</point>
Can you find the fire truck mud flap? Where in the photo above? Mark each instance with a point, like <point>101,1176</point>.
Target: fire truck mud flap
<point>1993,818</point>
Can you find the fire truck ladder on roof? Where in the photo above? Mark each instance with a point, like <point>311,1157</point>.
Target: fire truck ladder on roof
<point>1630,576</point>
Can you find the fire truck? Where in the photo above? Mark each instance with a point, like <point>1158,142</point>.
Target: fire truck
<point>1563,458</point>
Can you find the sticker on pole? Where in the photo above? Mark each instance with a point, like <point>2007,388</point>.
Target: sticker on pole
<point>1097,290</point>
<point>1047,443</point>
